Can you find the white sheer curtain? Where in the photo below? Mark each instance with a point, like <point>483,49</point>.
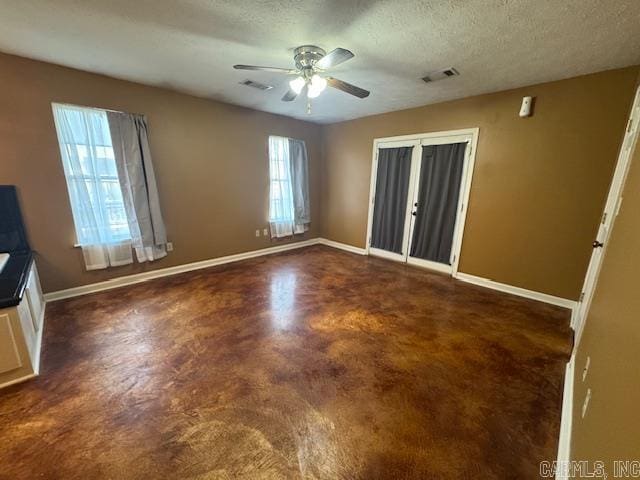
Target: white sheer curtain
<point>94,190</point>
<point>288,192</point>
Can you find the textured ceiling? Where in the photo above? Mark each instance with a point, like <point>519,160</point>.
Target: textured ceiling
<point>191,45</point>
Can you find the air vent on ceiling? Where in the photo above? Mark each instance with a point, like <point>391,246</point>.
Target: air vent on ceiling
<point>440,74</point>
<point>258,85</point>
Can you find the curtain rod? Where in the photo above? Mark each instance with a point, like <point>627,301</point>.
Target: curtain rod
<point>96,108</point>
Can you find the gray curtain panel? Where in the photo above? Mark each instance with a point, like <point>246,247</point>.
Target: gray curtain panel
<point>438,193</point>
<point>299,181</point>
<point>390,202</point>
<point>129,135</point>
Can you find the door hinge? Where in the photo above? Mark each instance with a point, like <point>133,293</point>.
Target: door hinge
<point>581,297</point>
<point>629,125</point>
<point>604,217</point>
<point>462,207</point>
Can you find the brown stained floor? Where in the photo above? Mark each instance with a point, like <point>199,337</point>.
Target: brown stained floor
<point>313,364</point>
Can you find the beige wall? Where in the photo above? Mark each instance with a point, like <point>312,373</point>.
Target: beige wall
<point>611,428</point>
<point>539,183</point>
<point>538,190</point>
<point>210,160</point>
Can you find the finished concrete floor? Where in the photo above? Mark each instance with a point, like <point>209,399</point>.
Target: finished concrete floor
<point>314,364</point>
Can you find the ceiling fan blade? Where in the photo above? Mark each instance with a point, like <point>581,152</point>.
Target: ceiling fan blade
<point>347,87</point>
<point>334,57</point>
<point>288,71</point>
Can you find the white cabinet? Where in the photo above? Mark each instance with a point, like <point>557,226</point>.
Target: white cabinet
<point>21,334</point>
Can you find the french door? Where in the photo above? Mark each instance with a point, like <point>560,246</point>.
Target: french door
<point>394,184</point>
<point>419,188</point>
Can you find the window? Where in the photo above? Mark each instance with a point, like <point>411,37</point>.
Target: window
<point>112,187</point>
<point>92,177</point>
<point>281,193</point>
<point>289,187</point>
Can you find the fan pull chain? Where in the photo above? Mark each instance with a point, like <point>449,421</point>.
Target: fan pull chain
<point>308,106</point>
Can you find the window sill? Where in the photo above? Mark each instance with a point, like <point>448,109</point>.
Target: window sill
<point>79,245</point>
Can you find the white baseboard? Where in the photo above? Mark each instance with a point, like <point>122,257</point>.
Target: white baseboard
<point>18,380</point>
<point>521,292</point>
<point>342,246</point>
<point>164,272</point>
<point>564,444</point>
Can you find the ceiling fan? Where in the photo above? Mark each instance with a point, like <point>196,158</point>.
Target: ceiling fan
<point>310,62</point>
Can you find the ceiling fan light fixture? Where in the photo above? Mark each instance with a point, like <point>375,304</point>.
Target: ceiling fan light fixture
<point>297,84</point>
<point>317,85</point>
<point>309,61</point>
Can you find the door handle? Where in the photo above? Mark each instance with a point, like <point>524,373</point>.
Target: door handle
<point>597,244</point>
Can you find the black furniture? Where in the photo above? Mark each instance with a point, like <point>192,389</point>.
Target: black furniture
<point>13,240</point>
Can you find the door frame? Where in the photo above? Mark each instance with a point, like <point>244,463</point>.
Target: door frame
<point>471,135</point>
<point>609,214</point>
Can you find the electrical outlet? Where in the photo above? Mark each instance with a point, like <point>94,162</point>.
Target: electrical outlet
<point>586,368</point>
<point>265,232</point>
<point>169,246</point>
<point>585,405</point>
<point>257,233</point>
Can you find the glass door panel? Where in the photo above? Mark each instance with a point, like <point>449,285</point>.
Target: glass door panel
<point>436,205</point>
<point>389,230</point>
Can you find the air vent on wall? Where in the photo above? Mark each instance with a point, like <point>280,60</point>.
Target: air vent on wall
<point>258,85</point>
<point>440,74</point>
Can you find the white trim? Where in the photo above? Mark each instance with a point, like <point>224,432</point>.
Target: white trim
<point>372,194</point>
<point>342,246</point>
<point>469,135</point>
<point>383,143</point>
<point>18,380</point>
<point>521,292</point>
<point>429,265</point>
<point>420,136</point>
<point>164,272</point>
<point>564,443</point>
<point>412,194</point>
<point>467,178</point>
<point>575,313</point>
<point>378,252</point>
<point>35,363</point>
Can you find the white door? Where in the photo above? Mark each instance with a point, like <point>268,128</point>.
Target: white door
<point>402,210</point>
<point>413,257</point>
<point>614,200</point>
<point>406,212</point>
